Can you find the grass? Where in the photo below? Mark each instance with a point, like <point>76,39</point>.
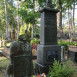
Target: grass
<point>3,65</point>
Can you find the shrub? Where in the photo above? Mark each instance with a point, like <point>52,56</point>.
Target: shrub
<point>65,44</point>
<point>59,70</point>
<point>35,41</point>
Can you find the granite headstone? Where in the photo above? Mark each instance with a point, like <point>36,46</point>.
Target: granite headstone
<point>48,50</point>
<point>22,66</point>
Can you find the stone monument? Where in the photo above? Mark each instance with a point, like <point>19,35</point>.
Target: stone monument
<point>20,64</point>
<point>48,50</point>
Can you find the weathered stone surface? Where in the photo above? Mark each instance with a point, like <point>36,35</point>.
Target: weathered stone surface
<point>19,49</point>
<point>16,49</point>
<point>22,66</point>
<point>48,28</point>
<point>48,50</point>
<point>27,49</point>
<point>47,53</point>
<point>72,54</point>
<point>47,9</point>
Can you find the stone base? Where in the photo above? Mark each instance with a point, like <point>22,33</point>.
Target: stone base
<point>41,69</point>
<point>72,55</point>
<point>47,53</point>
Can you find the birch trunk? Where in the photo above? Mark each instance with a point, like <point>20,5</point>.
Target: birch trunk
<point>6,19</point>
<point>74,17</point>
<point>17,21</point>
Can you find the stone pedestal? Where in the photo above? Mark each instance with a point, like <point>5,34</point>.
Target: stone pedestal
<point>72,54</point>
<point>47,53</point>
<point>48,50</point>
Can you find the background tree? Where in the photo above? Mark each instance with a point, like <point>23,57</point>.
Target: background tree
<point>11,11</point>
<point>2,19</point>
<point>28,13</point>
<point>18,27</point>
<point>6,18</point>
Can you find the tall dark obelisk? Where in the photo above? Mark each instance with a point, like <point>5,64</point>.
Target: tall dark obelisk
<point>48,50</point>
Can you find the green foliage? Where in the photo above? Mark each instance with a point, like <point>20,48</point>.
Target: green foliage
<point>26,12</point>
<point>62,43</point>
<point>59,70</point>
<point>12,12</point>
<point>68,3</point>
<point>66,43</point>
<point>42,3</point>
<point>35,41</point>
<point>37,30</point>
<point>2,17</point>
<point>3,64</point>
<point>22,32</point>
<point>25,31</point>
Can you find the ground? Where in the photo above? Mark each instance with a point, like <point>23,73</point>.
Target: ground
<point>3,65</point>
<point>4,62</point>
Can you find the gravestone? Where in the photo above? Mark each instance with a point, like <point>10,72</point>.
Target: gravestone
<point>72,54</point>
<point>20,64</point>
<point>48,50</point>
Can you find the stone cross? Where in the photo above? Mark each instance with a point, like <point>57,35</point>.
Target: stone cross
<point>48,3</point>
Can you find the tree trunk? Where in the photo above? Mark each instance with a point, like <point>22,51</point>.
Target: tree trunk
<point>12,15</point>
<point>60,17</point>
<point>74,17</point>
<point>33,18</point>
<point>17,21</point>
<point>21,19</point>
<point>69,24</point>
<point>13,31</point>
<point>6,20</point>
<point>21,3</point>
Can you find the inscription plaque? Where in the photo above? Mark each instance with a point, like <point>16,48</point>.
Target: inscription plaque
<point>51,55</point>
<point>22,66</point>
<point>50,22</point>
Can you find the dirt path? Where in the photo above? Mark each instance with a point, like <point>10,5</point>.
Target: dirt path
<point>2,58</point>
